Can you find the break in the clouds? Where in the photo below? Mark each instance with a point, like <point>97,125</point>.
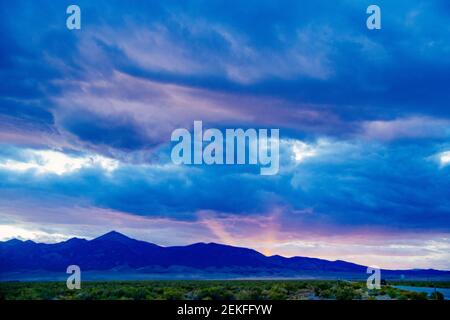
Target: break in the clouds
<point>86,117</point>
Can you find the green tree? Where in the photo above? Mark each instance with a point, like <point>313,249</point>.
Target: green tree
<point>437,296</point>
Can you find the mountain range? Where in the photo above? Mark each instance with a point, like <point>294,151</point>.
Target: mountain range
<point>114,255</point>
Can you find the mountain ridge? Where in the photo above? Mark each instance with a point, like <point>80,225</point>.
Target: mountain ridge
<point>114,250</point>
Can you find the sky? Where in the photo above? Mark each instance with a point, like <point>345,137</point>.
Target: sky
<point>86,118</point>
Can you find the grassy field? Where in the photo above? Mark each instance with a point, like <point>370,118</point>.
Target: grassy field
<point>204,290</point>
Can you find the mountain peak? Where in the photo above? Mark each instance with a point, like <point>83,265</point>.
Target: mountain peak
<point>113,236</point>
<point>75,240</point>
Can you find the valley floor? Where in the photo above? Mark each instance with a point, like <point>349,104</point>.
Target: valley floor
<point>217,290</point>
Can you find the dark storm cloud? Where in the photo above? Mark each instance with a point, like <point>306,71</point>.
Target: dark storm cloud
<point>137,70</point>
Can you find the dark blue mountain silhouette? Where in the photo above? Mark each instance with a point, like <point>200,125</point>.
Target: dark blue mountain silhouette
<point>114,250</point>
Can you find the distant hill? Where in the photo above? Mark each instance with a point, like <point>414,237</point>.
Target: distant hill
<point>115,253</point>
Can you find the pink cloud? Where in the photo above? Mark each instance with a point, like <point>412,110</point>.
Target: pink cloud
<point>411,127</point>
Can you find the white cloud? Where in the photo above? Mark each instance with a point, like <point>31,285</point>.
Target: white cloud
<point>302,151</point>
<point>8,232</point>
<point>321,150</point>
<point>444,158</point>
<point>49,161</point>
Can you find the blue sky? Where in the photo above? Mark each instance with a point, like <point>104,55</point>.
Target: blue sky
<point>86,117</point>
